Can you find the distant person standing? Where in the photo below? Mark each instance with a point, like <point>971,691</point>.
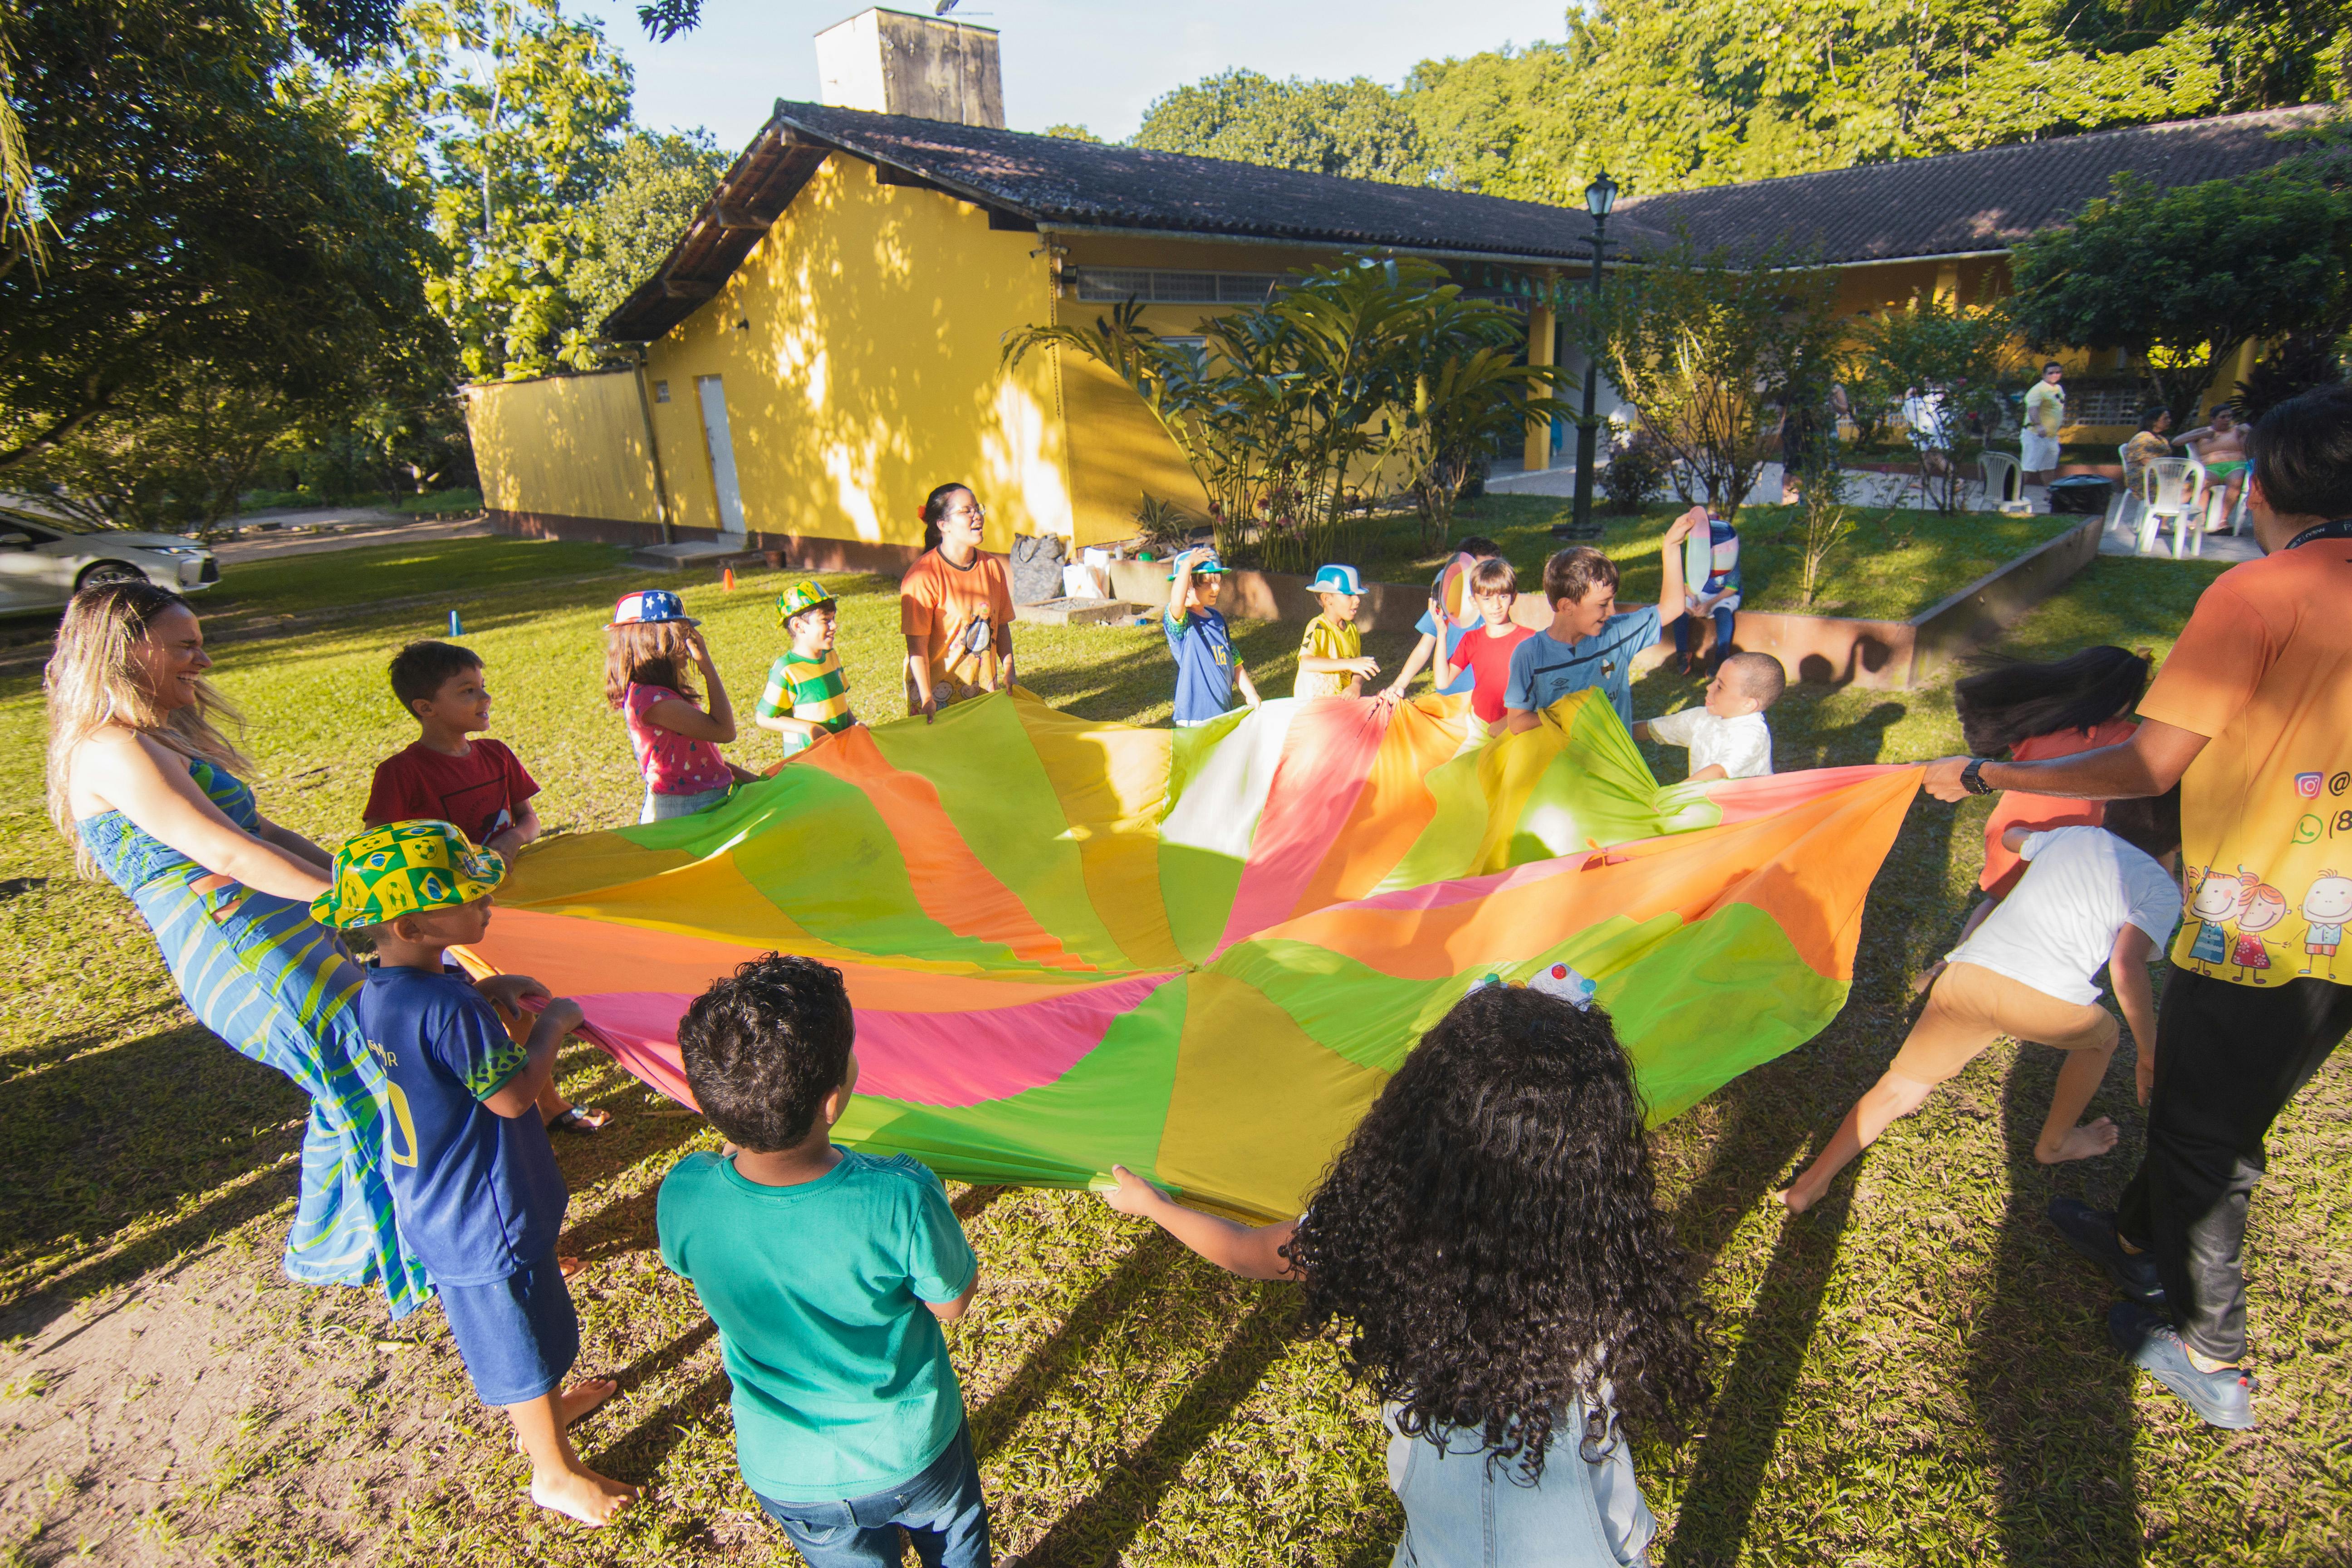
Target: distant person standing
<point>955,607</point>
<point>2252,716</point>
<point>2045,415</point>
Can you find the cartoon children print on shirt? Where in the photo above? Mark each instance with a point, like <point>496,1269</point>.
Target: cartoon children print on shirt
<point>2219,898</point>
<point>2325,907</point>
<point>2265,908</point>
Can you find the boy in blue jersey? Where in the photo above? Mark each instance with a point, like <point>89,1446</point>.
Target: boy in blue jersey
<point>473,1175</point>
<point>1589,643</point>
<point>1206,666</point>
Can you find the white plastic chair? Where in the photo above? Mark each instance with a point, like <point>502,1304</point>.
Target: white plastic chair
<point>2001,472</point>
<point>2175,489</point>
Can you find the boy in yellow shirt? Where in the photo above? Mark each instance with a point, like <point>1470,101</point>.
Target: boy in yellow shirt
<point>1331,659</point>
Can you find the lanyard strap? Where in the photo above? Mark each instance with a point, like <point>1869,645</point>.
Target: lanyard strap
<point>2340,529</point>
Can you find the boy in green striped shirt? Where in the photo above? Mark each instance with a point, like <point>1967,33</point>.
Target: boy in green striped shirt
<point>807,695</point>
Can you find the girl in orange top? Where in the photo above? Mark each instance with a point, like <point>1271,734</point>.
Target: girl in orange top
<point>2034,712</point>
<point>955,608</point>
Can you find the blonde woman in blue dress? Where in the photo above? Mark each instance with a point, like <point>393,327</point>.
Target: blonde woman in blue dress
<point>143,781</point>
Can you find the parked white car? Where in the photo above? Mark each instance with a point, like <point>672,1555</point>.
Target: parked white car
<point>44,560</point>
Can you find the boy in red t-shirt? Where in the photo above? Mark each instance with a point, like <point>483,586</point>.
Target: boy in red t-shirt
<point>1486,652</point>
<point>449,774</point>
<point>476,784</point>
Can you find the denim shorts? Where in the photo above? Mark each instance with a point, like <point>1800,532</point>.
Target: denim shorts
<point>662,807</point>
<point>941,1509</point>
<point>518,1336</point>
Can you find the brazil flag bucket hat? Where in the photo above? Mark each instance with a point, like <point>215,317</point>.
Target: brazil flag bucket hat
<point>805,594</point>
<point>405,869</point>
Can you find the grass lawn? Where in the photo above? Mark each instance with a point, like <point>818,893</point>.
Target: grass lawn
<point>1897,562</point>
<point>1914,1372</point>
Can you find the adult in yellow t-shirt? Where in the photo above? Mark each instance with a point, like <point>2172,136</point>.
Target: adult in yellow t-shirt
<point>955,608</point>
<point>2045,415</point>
<point>2252,717</point>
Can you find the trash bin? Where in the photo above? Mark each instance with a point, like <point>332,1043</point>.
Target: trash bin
<point>2084,495</point>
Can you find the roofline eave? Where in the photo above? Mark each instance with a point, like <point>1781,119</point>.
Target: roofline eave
<point>1521,258</point>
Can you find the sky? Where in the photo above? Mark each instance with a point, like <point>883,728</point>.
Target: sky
<point>1085,62</point>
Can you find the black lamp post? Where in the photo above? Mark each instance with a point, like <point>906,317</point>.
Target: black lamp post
<point>1599,197</point>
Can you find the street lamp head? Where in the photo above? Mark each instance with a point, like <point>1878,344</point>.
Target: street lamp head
<point>1601,196</point>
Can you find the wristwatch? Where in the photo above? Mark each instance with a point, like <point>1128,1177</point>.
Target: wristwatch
<point>1972,777</point>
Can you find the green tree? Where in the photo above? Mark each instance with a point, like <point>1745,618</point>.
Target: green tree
<point>2180,278</point>
<point>1706,348</point>
<point>507,118</point>
<point>658,184</point>
<point>1357,130</point>
<point>1961,354</point>
<point>203,214</point>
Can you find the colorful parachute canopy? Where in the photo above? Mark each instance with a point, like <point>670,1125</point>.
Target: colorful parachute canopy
<point>1201,952</point>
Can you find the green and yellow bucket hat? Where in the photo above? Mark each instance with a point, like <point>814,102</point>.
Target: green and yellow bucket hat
<point>405,869</point>
<point>805,594</point>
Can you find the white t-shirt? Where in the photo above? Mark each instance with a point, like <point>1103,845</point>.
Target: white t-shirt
<point>1743,745</point>
<point>2082,887</point>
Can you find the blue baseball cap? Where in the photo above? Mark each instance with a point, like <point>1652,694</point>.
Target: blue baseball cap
<point>1337,580</point>
<point>1203,559</point>
<point>651,605</point>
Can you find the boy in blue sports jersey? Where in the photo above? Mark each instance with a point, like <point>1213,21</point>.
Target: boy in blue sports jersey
<point>473,1175</point>
<point>1588,644</point>
<point>1206,666</point>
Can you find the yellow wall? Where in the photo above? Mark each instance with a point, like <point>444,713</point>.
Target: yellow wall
<point>572,445</point>
<point>859,346</point>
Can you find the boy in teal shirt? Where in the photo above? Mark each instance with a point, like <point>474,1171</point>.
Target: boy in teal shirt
<point>828,1274</point>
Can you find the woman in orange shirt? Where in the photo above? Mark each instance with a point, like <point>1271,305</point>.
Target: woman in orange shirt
<point>955,606</point>
<point>2034,712</point>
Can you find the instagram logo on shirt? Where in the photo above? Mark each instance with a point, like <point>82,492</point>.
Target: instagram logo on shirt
<point>2308,785</point>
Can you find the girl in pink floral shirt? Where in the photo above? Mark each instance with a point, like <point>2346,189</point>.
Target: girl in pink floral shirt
<point>650,648</point>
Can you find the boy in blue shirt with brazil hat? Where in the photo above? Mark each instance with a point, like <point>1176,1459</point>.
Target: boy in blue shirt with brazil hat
<point>1206,666</point>
<point>828,1273</point>
<point>473,1175</point>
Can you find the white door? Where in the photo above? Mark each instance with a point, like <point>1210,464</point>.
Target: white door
<point>713,398</point>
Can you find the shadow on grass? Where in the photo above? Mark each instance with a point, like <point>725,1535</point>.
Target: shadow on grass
<point>1071,1344</point>
<point>1752,1403</point>
<point>2054,1403</point>
<point>1099,1529</point>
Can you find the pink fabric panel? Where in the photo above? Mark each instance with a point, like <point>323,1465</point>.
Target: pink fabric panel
<point>1331,740</point>
<point>924,1059</point>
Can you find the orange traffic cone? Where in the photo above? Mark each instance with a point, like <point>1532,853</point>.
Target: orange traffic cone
<point>728,580</point>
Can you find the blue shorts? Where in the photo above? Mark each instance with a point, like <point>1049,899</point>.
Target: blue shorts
<point>518,1336</point>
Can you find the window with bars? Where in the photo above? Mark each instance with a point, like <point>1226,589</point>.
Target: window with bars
<point>1157,288</point>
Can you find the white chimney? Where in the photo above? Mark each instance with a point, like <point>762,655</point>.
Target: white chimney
<point>895,62</point>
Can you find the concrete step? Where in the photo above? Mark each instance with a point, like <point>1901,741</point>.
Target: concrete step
<point>1079,612</point>
<point>697,554</point>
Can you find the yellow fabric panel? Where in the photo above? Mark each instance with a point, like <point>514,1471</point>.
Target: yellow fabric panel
<point>1227,1142</point>
<point>1113,785</point>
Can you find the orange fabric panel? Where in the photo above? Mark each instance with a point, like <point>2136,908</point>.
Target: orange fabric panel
<point>1395,805</point>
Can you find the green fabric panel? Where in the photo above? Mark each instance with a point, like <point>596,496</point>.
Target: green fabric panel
<point>814,847</point>
<point>1190,747</point>
<point>1198,888</point>
<point>1597,791</point>
<point>1107,1110</point>
<point>1447,847</point>
<point>1712,1000</point>
<point>995,791</point>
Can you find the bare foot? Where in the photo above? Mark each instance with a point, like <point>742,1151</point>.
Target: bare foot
<point>1797,1202</point>
<point>2086,1142</point>
<point>1926,978</point>
<point>571,1266</point>
<point>583,1493</point>
<point>584,1396</point>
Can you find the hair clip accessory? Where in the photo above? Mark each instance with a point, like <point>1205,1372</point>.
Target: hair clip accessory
<point>1562,981</point>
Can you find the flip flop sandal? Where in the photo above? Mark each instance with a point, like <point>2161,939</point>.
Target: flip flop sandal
<point>579,1118</point>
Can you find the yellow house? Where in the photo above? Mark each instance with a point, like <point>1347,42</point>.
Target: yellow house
<point>823,345</point>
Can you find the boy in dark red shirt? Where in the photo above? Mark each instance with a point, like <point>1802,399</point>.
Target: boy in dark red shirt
<point>446,774</point>
<point>454,774</point>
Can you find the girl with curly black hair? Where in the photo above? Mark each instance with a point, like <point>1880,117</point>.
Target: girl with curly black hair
<point>1491,1238</point>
